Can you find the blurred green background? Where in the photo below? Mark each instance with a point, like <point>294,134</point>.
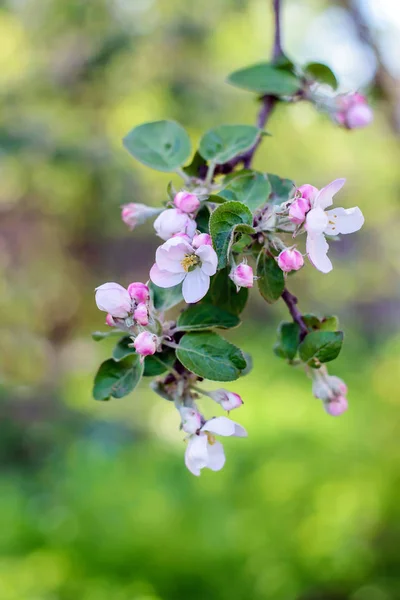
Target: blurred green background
<point>95,501</point>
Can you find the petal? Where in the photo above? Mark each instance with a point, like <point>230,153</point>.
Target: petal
<point>216,456</point>
<point>325,195</point>
<point>209,259</point>
<point>195,286</point>
<point>165,279</point>
<point>316,221</point>
<point>169,256</point>
<point>224,426</point>
<point>344,220</point>
<point>317,248</point>
<point>196,455</point>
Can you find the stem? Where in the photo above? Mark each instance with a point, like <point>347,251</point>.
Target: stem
<point>291,302</point>
<point>182,174</point>
<point>277,50</point>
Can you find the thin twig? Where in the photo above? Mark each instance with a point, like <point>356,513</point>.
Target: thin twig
<point>291,302</point>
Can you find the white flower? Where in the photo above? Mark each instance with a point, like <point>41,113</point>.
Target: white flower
<point>172,221</point>
<point>321,222</point>
<point>113,299</point>
<point>203,450</point>
<point>177,261</point>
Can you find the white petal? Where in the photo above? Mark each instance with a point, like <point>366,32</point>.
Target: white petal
<point>196,455</point>
<point>316,221</point>
<point>325,195</point>
<point>165,279</point>
<point>317,248</point>
<point>195,286</point>
<point>209,259</point>
<point>224,426</point>
<point>216,456</point>
<point>169,256</point>
<point>344,220</point>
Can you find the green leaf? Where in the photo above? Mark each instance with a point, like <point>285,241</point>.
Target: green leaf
<point>320,347</point>
<point>117,379</point>
<point>326,324</point>
<point>206,316</point>
<point>322,73</point>
<point>281,189</point>
<point>156,364</point>
<point>122,349</point>
<point>202,219</point>
<point>161,145</point>
<point>193,169</point>
<point>223,293</point>
<point>210,356</point>
<point>224,221</point>
<point>97,336</point>
<point>165,298</point>
<point>227,141</point>
<point>271,281</point>
<point>265,78</point>
<point>288,340</point>
<point>251,188</point>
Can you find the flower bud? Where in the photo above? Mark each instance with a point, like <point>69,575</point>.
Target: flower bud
<point>145,343</point>
<point>139,291</point>
<point>113,299</point>
<point>298,209</point>
<point>134,214</point>
<point>186,202</point>
<point>110,321</point>
<point>202,239</point>
<point>321,389</point>
<point>191,419</point>
<point>173,221</point>
<point>307,191</point>
<point>353,111</point>
<point>336,406</point>
<point>141,315</point>
<point>228,400</point>
<point>242,275</point>
<point>290,260</point>
<point>337,385</point>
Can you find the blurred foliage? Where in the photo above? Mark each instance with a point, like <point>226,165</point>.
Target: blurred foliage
<point>95,502</point>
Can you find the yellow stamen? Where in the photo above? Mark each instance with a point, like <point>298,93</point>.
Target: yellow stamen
<point>190,260</point>
<point>211,438</point>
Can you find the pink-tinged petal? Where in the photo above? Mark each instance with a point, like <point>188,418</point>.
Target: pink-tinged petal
<point>113,299</point>
<point>317,248</point>
<point>344,220</point>
<point>316,221</point>
<point>169,256</point>
<point>224,426</point>
<point>165,279</point>
<point>325,195</point>
<point>196,455</point>
<point>309,192</point>
<point>216,456</point>
<point>195,286</point>
<point>209,259</point>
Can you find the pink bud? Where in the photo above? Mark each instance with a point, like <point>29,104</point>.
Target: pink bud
<point>186,202</point>
<point>114,299</point>
<point>298,210</point>
<point>202,239</point>
<point>110,321</point>
<point>183,236</point>
<point>336,406</point>
<point>242,275</point>
<point>141,314</point>
<point>146,343</point>
<point>139,291</point>
<point>307,191</point>
<point>173,221</point>
<point>290,260</point>
<point>228,400</point>
<point>191,419</point>
<point>134,214</point>
<point>359,115</point>
<point>337,385</point>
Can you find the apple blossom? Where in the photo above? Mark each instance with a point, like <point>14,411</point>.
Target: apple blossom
<point>139,291</point>
<point>134,214</point>
<point>141,314</point>
<point>177,261</point>
<point>228,400</point>
<point>298,209</point>
<point>113,299</point>
<point>332,391</point>
<point>110,321</point>
<point>320,222</point>
<point>146,343</point>
<point>242,275</point>
<point>186,202</point>
<point>353,111</point>
<point>191,419</point>
<point>173,220</point>
<point>203,450</point>
<point>201,239</point>
<point>290,260</point>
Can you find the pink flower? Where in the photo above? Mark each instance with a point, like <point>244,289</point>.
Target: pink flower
<point>177,260</point>
<point>173,221</point>
<point>290,260</point>
<point>146,343</point>
<point>141,314</point>
<point>134,214</point>
<point>353,111</point>
<point>298,209</point>
<point>332,391</point>
<point>110,321</point>
<point>203,450</point>
<point>228,400</point>
<point>201,239</point>
<point>139,291</point>
<point>186,202</point>
<point>114,299</point>
<point>242,275</point>
<point>191,419</point>
<point>320,223</point>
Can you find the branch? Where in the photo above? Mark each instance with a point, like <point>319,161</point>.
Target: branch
<point>291,303</point>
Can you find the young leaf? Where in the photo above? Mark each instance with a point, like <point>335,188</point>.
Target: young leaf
<point>205,316</point>
<point>320,347</point>
<point>281,189</point>
<point>325,324</point>
<point>97,336</point>
<point>117,379</point>
<point>224,221</point>
<point>165,298</point>
<point>227,141</point>
<point>158,363</point>
<point>251,188</point>
<point>193,169</point>
<point>271,281</point>
<point>161,145</point>
<point>210,356</point>
<point>322,73</point>
<point>202,219</point>
<point>265,78</point>
<point>288,340</point>
<point>122,349</point>
<point>223,293</point>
